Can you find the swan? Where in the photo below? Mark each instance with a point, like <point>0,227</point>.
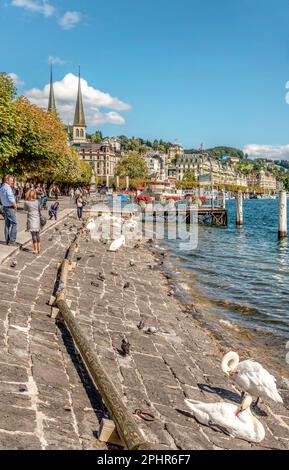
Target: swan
<point>251,377</point>
<point>117,244</point>
<point>91,225</point>
<point>237,421</point>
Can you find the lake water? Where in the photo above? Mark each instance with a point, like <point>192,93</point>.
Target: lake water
<point>238,279</point>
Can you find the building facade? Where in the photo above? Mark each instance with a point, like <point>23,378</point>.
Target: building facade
<point>263,180</point>
<point>209,170</point>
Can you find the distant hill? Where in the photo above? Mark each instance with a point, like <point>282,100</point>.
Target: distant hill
<point>218,152</point>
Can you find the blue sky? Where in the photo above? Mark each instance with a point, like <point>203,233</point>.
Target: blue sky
<point>193,70</point>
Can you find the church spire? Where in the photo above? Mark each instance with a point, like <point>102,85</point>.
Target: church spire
<point>51,102</point>
<point>79,117</point>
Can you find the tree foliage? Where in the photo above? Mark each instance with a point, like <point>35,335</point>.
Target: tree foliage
<point>133,166</point>
<point>33,143</point>
<point>10,121</point>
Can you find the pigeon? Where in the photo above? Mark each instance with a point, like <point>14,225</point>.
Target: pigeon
<point>117,244</point>
<point>127,285</point>
<point>60,288</point>
<point>13,263</point>
<point>114,273</point>
<point>79,258</point>
<point>56,229</point>
<point>136,246</point>
<point>101,277</point>
<point>151,330</point>
<point>141,325</point>
<point>125,347</point>
<point>94,284</point>
<point>132,263</point>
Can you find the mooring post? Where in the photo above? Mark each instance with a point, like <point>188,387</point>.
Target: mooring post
<point>282,233</point>
<point>223,199</point>
<point>117,181</point>
<point>239,209</point>
<point>127,182</point>
<point>107,181</point>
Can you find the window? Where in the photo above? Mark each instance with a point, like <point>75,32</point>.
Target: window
<point>81,133</point>
<point>77,132</point>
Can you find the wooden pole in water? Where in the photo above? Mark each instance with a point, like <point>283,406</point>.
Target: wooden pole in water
<point>117,181</point>
<point>223,199</point>
<point>127,182</point>
<point>239,209</point>
<point>282,232</point>
<point>107,181</point>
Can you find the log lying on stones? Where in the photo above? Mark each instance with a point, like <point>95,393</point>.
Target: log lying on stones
<point>125,422</point>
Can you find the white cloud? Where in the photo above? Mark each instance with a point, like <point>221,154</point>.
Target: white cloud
<point>55,60</point>
<point>43,7</point>
<point>70,19</point>
<point>16,79</point>
<point>271,152</point>
<point>94,100</point>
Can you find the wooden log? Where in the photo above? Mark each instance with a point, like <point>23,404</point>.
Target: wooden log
<point>282,231</point>
<point>127,428</point>
<point>108,433</point>
<point>123,418</point>
<point>51,300</point>
<point>239,209</point>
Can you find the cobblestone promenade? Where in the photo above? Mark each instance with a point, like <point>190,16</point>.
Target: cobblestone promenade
<point>47,400</point>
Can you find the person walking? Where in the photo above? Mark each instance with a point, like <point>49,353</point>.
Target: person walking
<point>8,202</point>
<point>32,206</point>
<point>53,211</point>
<point>79,206</point>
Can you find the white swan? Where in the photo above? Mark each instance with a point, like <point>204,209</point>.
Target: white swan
<point>233,420</point>
<point>251,377</point>
<point>91,225</point>
<point>117,244</point>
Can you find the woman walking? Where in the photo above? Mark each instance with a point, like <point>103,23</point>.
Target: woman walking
<point>31,205</point>
<point>79,205</point>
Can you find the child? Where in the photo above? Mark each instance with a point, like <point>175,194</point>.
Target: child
<point>53,211</point>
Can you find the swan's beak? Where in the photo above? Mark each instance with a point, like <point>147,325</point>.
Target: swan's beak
<point>239,411</point>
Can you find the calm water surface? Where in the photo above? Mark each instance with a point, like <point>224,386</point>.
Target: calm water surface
<point>241,276</point>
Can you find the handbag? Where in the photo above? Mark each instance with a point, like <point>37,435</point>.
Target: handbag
<point>42,219</point>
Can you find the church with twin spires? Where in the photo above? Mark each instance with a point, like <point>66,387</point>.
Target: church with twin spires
<point>102,157</point>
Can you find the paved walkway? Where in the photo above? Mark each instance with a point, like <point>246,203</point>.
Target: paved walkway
<point>47,400</point>
<point>181,360</point>
<point>24,237</point>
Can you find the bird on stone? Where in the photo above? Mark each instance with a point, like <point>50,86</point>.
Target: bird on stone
<point>151,330</point>
<point>94,284</point>
<point>125,347</point>
<point>13,263</point>
<point>100,277</point>
<point>60,288</point>
<point>117,244</point>
<point>91,225</point>
<point>127,285</point>
<point>141,325</point>
<point>251,377</point>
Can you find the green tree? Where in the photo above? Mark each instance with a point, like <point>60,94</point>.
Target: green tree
<point>97,137</point>
<point>190,176</point>
<point>133,166</point>
<point>10,122</point>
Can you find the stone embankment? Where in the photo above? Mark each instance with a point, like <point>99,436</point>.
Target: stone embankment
<point>48,400</point>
